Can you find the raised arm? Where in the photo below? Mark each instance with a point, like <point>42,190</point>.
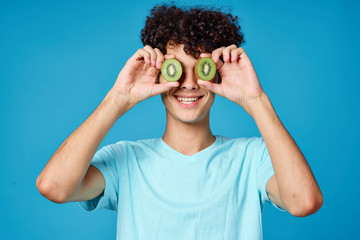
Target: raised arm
<point>293,187</point>
<point>68,175</point>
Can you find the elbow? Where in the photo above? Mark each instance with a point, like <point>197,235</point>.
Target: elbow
<point>309,206</point>
<point>50,191</point>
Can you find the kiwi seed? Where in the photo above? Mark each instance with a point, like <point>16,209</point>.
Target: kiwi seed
<point>205,69</point>
<point>171,70</point>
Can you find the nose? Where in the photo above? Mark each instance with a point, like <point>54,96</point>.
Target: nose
<point>188,81</point>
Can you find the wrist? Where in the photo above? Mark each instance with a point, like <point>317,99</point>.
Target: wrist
<point>258,106</point>
<point>118,102</point>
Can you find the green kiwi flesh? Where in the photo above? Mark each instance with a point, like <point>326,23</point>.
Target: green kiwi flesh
<point>205,69</point>
<point>171,70</point>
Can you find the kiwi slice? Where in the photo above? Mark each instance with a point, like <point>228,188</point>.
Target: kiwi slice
<point>171,70</point>
<point>205,69</point>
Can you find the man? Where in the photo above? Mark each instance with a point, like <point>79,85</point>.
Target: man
<point>189,184</point>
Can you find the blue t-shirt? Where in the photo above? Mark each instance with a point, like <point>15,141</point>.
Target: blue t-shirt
<point>160,193</point>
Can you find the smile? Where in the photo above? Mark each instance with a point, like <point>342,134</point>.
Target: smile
<point>188,102</point>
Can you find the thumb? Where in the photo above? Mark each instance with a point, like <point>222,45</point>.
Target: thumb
<point>163,87</point>
<point>213,87</point>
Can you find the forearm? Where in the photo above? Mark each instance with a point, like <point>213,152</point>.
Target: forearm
<point>67,167</point>
<point>297,185</point>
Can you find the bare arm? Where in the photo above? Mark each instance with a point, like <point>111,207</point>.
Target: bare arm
<point>62,178</point>
<point>293,187</point>
<point>68,175</point>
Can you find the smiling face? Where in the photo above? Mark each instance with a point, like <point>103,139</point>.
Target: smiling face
<point>189,102</point>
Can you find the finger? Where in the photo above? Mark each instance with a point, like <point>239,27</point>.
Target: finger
<point>213,87</point>
<point>238,53</point>
<point>242,53</point>
<point>159,58</point>
<point>219,64</point>
<point>235,55</point>
<point>152,54</point>
<point>227,51</point>
<point>143,54</point>
<point>169,56</point>
<point>217,53</point>
<point>163,87</point>
<point>202,55</point>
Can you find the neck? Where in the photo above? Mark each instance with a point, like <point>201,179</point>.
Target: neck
<point>188,138</point>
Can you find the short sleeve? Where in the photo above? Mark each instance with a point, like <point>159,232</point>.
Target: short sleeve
<point>105,160</point>
<point>264,172</point>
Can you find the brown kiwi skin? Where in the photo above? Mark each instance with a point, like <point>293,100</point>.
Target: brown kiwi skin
<point>196,67</point>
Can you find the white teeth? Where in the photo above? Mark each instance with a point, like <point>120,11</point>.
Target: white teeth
<point>187,100</point>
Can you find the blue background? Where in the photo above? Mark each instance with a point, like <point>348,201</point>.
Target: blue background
<point>58,59</point>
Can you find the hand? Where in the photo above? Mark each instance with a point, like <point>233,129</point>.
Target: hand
<point>239,82</point>
<point>137,80</point>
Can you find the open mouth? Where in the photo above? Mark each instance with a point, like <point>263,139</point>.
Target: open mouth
<point>190,101</point>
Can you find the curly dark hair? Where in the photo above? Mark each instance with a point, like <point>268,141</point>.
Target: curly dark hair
<point>199,29</point>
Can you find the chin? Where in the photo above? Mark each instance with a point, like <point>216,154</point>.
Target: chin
<point>188,118</point>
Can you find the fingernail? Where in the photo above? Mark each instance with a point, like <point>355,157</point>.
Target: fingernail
<point>233,58</point>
